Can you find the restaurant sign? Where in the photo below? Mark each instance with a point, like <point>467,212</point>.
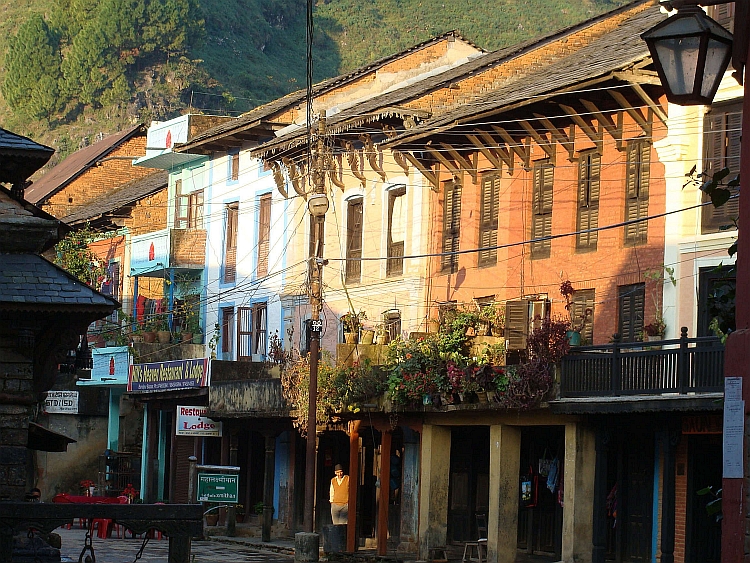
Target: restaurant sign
<point>168,376</point>
<point>217,488</point>
<point>61,402</point>
<point>192,421</point>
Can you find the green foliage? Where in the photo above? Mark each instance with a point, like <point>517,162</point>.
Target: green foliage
<point>73,255</point>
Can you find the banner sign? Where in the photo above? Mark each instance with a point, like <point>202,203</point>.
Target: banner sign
<point>168,376</point>
<point>217,488</point>
<point>192,421</point>
<point>61,402</point>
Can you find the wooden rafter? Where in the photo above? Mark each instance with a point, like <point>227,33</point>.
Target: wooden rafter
<point>566,140</point>
<point>355,162</point>
<point>427,172</point>
<point>596,135</point>
<point>650,102</point>
<point>614,128</point>
<point>632,112</point>
<point>296,176</point>
<point>461,160</point>
<point>521,149</point>
<point>546,144</point>
<point>372,156</point>
<point>455,170</point>
<point>488,152</point>
<point>278,177</point>
<point>505,155</point>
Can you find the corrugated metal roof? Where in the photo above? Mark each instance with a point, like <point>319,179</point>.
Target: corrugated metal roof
<point>77,163</point>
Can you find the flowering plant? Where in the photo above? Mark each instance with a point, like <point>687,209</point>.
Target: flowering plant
<point>656,328</point>
<point>86,484</point>
<point>130,491</point>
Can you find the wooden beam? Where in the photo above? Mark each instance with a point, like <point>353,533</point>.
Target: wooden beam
<point>399,159</point>
<point>355,163</point>
<point>426,172</point>
<point>632,112</point>
<point>295,176</point>
<point>508,157</point>
<point>611,127</point>
<point>523,153</point>
<point>278,177</point>
<point>488,152</point>
<point>461,161</point>
<point>372,156</point>
<point>546,145</point>
<point>567,141</point>
<point>596,136</point>
<point>650,102</point>
<point>456,171</point>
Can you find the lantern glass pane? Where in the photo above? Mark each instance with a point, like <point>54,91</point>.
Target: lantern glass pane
<point>716,57</point>
<point>679,59</point>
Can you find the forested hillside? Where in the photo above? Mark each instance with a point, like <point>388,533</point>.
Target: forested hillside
<point>71,69</point>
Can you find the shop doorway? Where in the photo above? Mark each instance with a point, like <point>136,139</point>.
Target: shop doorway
<point>703,539</point>
<point>468,492</point>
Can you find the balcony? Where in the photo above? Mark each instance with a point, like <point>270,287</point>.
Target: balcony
<point>242,389</point>
<point>684,367</point>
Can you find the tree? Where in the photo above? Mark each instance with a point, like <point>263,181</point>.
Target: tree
<point>73,255</point>
<point>32,63</point>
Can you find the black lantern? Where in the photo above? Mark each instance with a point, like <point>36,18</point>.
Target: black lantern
<point>691,52</point>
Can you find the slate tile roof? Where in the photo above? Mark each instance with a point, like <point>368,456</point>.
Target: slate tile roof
<point>20,157</point>
<point>28,281</point>
<point>121,197</point>
<point>77,163</point>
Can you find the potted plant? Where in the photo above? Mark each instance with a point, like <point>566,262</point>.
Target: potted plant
<point>161,327</point>
<point>494,315</point>
<point>149,332</point>
<point>656,329</point>
<point>351,323</point>
<point>576,324</point>
<point>239,513</point>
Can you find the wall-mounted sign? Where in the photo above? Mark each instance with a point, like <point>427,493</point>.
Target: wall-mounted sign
<point>192,421</point>
<point>168,376</point>
<point>61,402</point>
<point>217,488</point>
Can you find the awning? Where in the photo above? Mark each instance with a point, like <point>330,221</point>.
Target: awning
<point>46,440</point>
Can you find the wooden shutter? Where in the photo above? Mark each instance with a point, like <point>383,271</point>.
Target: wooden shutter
<point>354,240</point>
<point>195,210</point>
<point>517,323</point>
<point>180,207</point>
<point>589,171</point>
<point>230,243</point>
<point>264,234</point>
<point>451,226</point>
<point>584,299</point>
<point>395,262</point>
<point>260,320</point>
<point>489,211</point>
<point>227,327</point>
<point>244,333</point>
<point>631,307</point>
<point>722,134</point>
<point>542,209</point>
<point>638,171</point>
<point>723,14</point>
<point>184,447</point>
<point>236,166</point>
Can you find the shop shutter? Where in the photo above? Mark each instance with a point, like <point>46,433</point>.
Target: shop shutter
<point>184,447</point>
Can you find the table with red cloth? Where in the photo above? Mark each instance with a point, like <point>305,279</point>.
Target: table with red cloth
<point>103,525</point>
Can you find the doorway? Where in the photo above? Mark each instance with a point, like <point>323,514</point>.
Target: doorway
<point>468,491</point>
<point>703,536</point>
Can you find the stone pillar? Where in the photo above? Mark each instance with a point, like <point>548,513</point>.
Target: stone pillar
<point>599,527</point>
<point>409,492</point>
<point>433,495</point>
<point>578,511</point>
<point>268,475</point>
<point>502,523</point>
<point>14,435</point>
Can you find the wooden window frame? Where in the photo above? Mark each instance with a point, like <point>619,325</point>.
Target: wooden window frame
<point>589,188</point>
<point>264,234</point>
<point>489,211</point>
<point>355,210</point>
<point>521,319</point>
<point>451,226</point>
<point>227,318</point>
<point>252,331</point>
<point>231,216</point>
<point>722,129</point>
<point>395,263</point>
<point>637,180</point>
<point>631,305</point>
<point>234,166</point>
<point>542,201</point>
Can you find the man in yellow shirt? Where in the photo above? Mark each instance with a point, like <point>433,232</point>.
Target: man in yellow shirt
<point>339,496</point>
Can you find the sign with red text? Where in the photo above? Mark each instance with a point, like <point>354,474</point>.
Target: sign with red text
<point>192,421</point>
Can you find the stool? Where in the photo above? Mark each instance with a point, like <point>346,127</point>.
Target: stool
<point>477,547</point>
<point>437,554</point>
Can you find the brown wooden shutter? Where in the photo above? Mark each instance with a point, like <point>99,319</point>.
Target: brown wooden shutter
<point>195,210</point>
<point>184,447</point>
<point>264,234</point>
<point>723,14</point>
<point>722,134</point>
<point>236,166</point>
<point>489,212</point>
<point>517,323</point>
<point>589,171</point>
<point>631,308</point>
<point>244,333</point>
<point>638,172</point>
<point>542,209</point>
<point>227,329</point>
<point>230,242</point>
<point>260,321</point>
<point>395,262</point>
<point>451,226</point>
<point>354,240</point>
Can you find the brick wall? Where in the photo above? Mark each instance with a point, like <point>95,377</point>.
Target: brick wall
<point>680,486</point>
<point>148,214</point>
<point>188,247</point>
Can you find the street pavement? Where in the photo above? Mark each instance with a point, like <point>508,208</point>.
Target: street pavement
<point>119,550</point>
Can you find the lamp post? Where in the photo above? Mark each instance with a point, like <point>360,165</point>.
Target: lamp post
<point>691,53</point>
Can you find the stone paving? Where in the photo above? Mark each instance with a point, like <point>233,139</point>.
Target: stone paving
<point>119,550</point>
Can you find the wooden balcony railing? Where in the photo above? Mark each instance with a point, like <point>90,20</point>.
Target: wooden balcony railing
<point>683,365</point>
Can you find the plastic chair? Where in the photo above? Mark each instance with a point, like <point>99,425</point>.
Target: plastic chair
<point>480,546</point>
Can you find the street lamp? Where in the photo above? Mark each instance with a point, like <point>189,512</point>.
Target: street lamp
<point>690,52</point>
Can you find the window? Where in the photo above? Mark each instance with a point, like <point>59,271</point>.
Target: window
<point>392,324</point>
<point>489,210</point>
<point>544,176</point>
<point>589,171</point>
<point>721,138</point>
<point>631,300</point>
<point>716,286</point>
<point>354,240</point>
<point>451,226</point>
<point>396,230</point>
<point>227,330</point>
<point>188,208</point>
<point>723,14</point>
<point>252,331</point>
<point>521,317</point>
<point>638,167</point>
<point>582,313</point>
<point>230,242</point>
<point>235,164</point>
<point>264,234</point>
